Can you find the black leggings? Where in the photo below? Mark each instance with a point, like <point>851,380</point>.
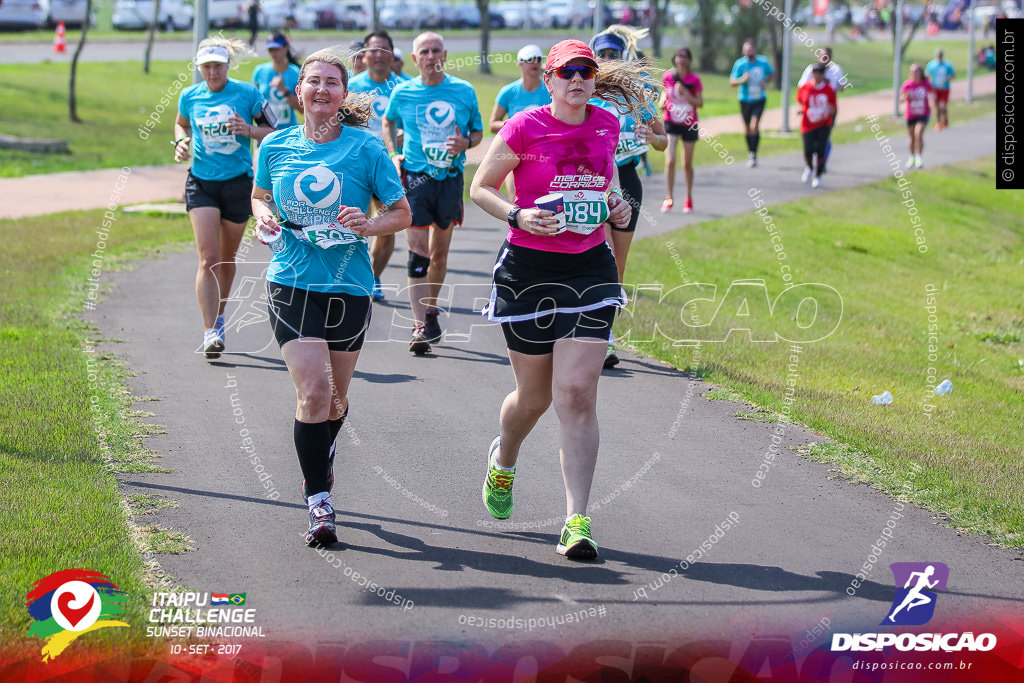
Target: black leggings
<point>815,141</point>
<point>632,192</point>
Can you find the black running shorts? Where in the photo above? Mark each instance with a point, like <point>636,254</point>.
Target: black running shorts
<point>233,197</point>
<point>434,201</point>
<point>339,319</point>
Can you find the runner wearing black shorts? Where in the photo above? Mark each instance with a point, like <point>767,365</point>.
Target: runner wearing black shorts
<point>556,288</point>
<point>319,280</point>
<point>217,119</point>
<point>440,119</point>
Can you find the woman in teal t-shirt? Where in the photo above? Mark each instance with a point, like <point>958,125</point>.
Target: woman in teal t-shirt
<point>215,125</point>
<point>276,80</point>
<point>313,184</point>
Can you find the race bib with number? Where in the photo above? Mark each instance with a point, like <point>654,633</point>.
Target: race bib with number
<point>217,138</point>
<point>585,210</point>
<point>629,146</point>
<point>680,112</point>
<point>437,154</point>
<point>754,89</point>
<point>327,235</point>
<point>817,108</point>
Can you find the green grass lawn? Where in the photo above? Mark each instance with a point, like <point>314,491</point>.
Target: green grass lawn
<point>861,243</point>
<point>61,505</point>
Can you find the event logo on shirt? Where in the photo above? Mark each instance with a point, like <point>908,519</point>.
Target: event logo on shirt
<point>380,105</point>
<point>318,187</point>
<point>440,114</point>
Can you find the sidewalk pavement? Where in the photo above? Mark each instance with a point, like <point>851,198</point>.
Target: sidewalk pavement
<point>94,189</point>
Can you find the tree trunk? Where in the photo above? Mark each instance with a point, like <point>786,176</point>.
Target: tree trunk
<point>485,35</point>
<point>774,29</point>
<point>152,33</point>
<point>708,37</point>
<point>658,23</point>
<point>72,101</point>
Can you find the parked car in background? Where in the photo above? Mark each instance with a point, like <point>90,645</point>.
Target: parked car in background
<point>24,14</point>
<point>71,12</point>
<point>569,13</point>
<point>135,15</point>
<point>410,14</point>
<point>352,16</point>
<point>227,13</point>
<point>467,15</point>
<point>520,14</point>
<point>274,12</point>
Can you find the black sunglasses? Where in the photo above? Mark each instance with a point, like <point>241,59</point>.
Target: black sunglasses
<point>585,71</point>
<point>531,60</point>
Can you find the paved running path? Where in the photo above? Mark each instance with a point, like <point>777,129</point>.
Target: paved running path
<point>673,467</point>
<point>93,189</point>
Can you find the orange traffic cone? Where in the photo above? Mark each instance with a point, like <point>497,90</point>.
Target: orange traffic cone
<point>60,43</point>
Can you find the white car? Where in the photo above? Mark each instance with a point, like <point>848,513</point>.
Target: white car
<point>227,13</point>
<point>410,14</point>
<point>519,14</point>
<point>25,14</point>
<point>135,15</point>
<point>71,12</point>
<point>352,16</point>
<point>274,12</point>
<point>569,13</point>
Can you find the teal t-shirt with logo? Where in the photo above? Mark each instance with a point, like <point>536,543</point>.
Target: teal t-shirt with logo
<point>514,98</point>
<point>216,153</point>
<point>363,83</point>
<point>429,115</point>
<point>262,75</point>
<point>311,182</point>
<point>760,69</point>
<point>630,147</point>
<point>940,73</point>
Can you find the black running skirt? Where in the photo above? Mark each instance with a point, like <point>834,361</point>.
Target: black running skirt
<point>530,283</point>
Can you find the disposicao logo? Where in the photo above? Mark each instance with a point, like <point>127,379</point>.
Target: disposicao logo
<point>914,605</point>
<point>70,603</point>
<point>926,577</point>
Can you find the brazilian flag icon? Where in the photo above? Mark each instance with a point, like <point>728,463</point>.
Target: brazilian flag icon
<point>237,598</point>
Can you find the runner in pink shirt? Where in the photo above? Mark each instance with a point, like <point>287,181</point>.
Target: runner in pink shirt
<point>556,289</point>
<point>683,95</point>
<point>914,93</point>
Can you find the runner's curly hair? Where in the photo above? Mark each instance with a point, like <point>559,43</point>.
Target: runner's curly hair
<point>627,85</point>
<point>357,107</point>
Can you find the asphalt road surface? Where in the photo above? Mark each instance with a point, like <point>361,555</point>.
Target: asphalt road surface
<point>674,470</point>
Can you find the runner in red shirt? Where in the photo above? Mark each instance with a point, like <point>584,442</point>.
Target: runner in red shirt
<point>914,92</point>
<point>818,102</point>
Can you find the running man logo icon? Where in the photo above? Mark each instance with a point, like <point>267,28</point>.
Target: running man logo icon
<point>914,603</point>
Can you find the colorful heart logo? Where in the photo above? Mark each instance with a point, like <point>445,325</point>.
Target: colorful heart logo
<point>74,615</point>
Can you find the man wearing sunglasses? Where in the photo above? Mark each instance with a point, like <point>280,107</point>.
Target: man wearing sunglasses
<point>441,119</point>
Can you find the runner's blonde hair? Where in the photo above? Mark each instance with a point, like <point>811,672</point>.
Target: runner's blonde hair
<point>237,49</point>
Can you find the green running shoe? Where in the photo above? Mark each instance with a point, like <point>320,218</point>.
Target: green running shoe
<point>497,493</point>
<point>576,543</point>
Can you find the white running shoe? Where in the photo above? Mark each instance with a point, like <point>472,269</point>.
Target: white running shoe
<point>917,162</point>
<point>910,162</point>
<point>213,344</point>
<point>806,177</point>
<point>816,182</point>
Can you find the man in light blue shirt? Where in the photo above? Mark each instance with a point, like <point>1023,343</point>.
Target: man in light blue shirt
<point>752,73</point>
<point>440,119</point>
<point>378,51</point>
<point>941,73</point>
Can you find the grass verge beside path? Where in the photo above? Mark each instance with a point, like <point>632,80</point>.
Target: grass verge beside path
<point>61,505</point>
<point>861,243</point>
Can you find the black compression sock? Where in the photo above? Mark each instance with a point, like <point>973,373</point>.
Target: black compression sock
<point>312,442</point>
<point>756,138</point>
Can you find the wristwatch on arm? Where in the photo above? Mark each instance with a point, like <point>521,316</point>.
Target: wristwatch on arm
<point>513,215</point>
